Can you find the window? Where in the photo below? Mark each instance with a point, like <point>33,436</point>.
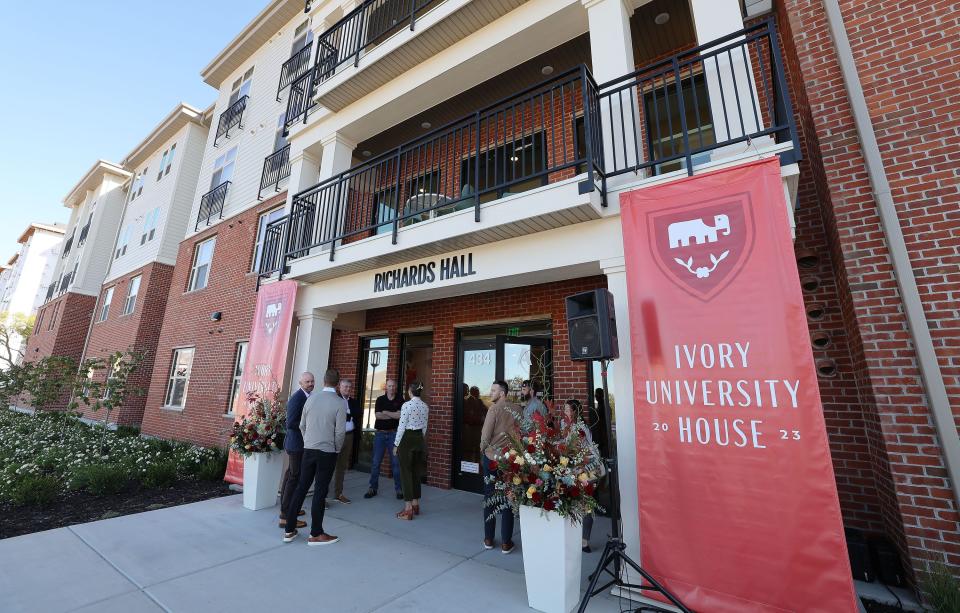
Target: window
<point>105,307</point>
<point>241,87</point>
<point>150,225</point>
<point>53,318</point>
<point>122,242</point>
<point>302,37</point>
<point>137,187</point>
<point>241,356</point>
<point>223,168</point>
<point>664,134</point>
<point>131,302</point>
<point>266,218</point>
<point>39,322</point>
<point>202,257</point>
<point>166,161</point>
<point>111,369</point>
<point>279,140</point>
<point>511,168</point>
<point>179,377</point>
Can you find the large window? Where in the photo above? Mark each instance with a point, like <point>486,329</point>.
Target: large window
<point>240,356</point>
<point>123,241</point>
<point>202,258</point>
<point>150,225</point>
<point>508,169</point>
<point>661,107</point>
<point>223,168</point>
<point>179,377</point>
<point>53,317</point>
<point>266,218</point>
<point>302,37</point>
<point>131,302</point>
<point>166,161</point>
<point>105,307</point>
<point>241,87</point>
<point>136,188</point>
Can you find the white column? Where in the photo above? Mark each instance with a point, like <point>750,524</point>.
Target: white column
<point>337,157</point>
<point>729,78</point>
<point>304,173</point>
<point>622,371</point>
<point>314,332</point>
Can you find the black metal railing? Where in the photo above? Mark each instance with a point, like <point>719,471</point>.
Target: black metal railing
<point>300,99</point>
<point>211,204</point>
<point>273,246</point>
<point>68,246</point>
<point>276,167</point>
<point>306,6</point>
<point>65,282</point>
<point>230,118</point>
<point>50,290</point>
<point>673,115</point>
<point>83,234</point>
<point>294,68</point>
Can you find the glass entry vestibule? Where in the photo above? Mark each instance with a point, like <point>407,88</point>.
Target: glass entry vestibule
<point>512,352</point>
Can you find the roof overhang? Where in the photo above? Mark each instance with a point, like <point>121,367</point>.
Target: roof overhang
<point>40,226</point>
<point>255,35</point>
<point>92,179</point>
<point>13,260</point>
<point>164,131</point>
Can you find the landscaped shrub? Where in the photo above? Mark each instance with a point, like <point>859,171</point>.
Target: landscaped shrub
<point>160,475</point>
<point>942,589</point>
<point>101,479</point>
<point>35,490</point>
<point>213,470</point>
<point>128,431</point>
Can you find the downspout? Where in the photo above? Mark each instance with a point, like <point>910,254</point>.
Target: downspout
<point>933,385</point>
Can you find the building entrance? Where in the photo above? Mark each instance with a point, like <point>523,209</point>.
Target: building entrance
<point>513,353</point>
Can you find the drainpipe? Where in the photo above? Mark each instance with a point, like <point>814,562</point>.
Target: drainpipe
<point>934,388</point>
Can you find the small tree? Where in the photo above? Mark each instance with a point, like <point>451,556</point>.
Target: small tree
<point>48,380</point>
<point>110,390</point>
<point>15,329</point>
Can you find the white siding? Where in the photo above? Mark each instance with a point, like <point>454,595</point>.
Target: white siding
<point>95,254</point>
<point>179,220</point>
<point>255,141</point>
<point>27,281</point>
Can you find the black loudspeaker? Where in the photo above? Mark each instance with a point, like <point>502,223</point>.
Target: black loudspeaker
<point>860,562</point>
<point>592,326</point>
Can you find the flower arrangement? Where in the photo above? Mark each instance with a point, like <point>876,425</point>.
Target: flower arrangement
<point>549,467</point>
<point>261,430</point>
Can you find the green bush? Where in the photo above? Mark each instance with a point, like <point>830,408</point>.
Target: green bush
<point>942,588</point>
<point>162,474</point>
<point>101,479</point>
<point>35,490</point>
<point>128,431</point>
<point>213,470</point>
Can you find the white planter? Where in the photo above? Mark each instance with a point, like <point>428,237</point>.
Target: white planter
<point>261,479</point>
<point>551,560</point>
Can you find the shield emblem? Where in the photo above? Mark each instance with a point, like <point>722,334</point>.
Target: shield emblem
<point>271,316</point>
<point>702,247</point>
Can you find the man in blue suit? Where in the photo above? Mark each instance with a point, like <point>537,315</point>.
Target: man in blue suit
<point>293,444</point>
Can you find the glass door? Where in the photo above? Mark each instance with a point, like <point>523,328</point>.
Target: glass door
<point>522,359</point>
<point>477,368</point>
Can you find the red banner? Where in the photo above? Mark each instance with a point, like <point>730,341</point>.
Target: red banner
<point>266,354</point>
<point>738,503</point>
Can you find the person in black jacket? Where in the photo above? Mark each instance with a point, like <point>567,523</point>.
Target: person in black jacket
<point>293,445</point>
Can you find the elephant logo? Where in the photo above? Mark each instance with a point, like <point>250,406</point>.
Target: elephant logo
<point>271,316</point>
<point>702,247</point>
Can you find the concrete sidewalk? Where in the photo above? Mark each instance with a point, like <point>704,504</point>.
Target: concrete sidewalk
<point>217,556</point>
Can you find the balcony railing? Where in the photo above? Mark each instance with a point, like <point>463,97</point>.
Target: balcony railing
<point>276,168</point>
<point>65,282</point>
<point>211,204</point>
<point>83,234</point>
<point>67,246</point>
<point>673,115</point>
<point>50,290</point>
<point>294,68</point>
<point>272,252</point>
<point>231,117</point>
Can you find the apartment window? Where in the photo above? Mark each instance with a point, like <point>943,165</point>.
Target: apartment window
<point>200,271</point>
<point>166,161</point>
<point>150,225</point>
<point>664,134</point>
<point>179,377</point>
<point>111,369</point>
<point>122,242</point>
<point>302,37</point>
<point>137,188</point>
<point>279,140</point>
<point>131,302</point>
<point>238,361</point>
<point>241,87</point>
<point>223,168</point>
<point>39,322</point>
<point>105,307</point>
<point>53,318</point>
<point>265,219</point>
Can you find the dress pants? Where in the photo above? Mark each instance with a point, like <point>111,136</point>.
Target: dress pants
<point>413,463</point>
<point>343,460</point>
<point>291,478</point>
<point>318,467</point>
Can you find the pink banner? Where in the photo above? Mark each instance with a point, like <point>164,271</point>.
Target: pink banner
<point>263,370</point>
<point>738,502</point>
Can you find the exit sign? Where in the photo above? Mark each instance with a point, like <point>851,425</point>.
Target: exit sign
<point>513,331</point>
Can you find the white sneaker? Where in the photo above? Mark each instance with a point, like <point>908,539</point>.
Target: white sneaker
<point>290,536</point>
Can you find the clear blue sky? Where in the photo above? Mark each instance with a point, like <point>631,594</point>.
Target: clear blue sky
<point>88,80</point>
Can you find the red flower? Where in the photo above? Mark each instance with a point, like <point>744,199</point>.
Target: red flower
<point>505,450</point>
<point>531,478</point>
<point>590,489</point>
<point>514,467</point>
<point>493,465</point>
<point>583,434</point>
<point>549,505</point>
<point>574,492</point>
<point>531,449</point>
<point>536,497</point>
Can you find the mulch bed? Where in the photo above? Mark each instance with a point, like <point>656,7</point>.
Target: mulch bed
<point>81,507</point>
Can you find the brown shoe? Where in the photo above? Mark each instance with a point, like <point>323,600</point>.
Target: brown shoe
<point>323,539</point>
<point>506,548</point>
<point>300,514</point>
<point>343,499</point>
<point>300,523</point>
<point>487,544</point>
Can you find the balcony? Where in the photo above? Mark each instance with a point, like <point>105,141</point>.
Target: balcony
<point>230,118</point>
<point>50,290</point>
<point>272,255</point>
<point>68,246</point>
<point>544,158</point>
<point>65,282</point>
<point>211,205</point>
<point>294,68</point>
<point>84,231</point>
<point>276,168</point>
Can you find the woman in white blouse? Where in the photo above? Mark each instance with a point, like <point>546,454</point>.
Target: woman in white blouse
<point>410,449</point>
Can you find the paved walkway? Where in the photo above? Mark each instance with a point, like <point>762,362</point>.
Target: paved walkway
<point>217,556</point>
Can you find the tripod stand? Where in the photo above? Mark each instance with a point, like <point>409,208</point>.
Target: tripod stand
<point>614,552</point>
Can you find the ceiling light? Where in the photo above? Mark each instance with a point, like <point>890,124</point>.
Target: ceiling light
<point>426,125</point>
<point>661,19</point>
<point>514,158</point>
<point>547,70</point>
<point>366,153</point>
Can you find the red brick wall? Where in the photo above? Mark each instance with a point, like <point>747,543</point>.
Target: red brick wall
<point>908,66</point>
<point>570,378</point>
<point>231,289</point>
<point>138,331</point>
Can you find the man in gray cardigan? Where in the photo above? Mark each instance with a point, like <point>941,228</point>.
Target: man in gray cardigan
<point>323,425</point>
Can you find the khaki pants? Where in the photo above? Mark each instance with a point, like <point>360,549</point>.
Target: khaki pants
<point>343,460</point>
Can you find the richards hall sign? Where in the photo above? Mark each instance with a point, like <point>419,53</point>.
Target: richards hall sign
<point>452,267</point>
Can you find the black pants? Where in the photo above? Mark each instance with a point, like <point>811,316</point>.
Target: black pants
<point>291,479</point>
<point>317,466</point>
<point>413,463</point>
